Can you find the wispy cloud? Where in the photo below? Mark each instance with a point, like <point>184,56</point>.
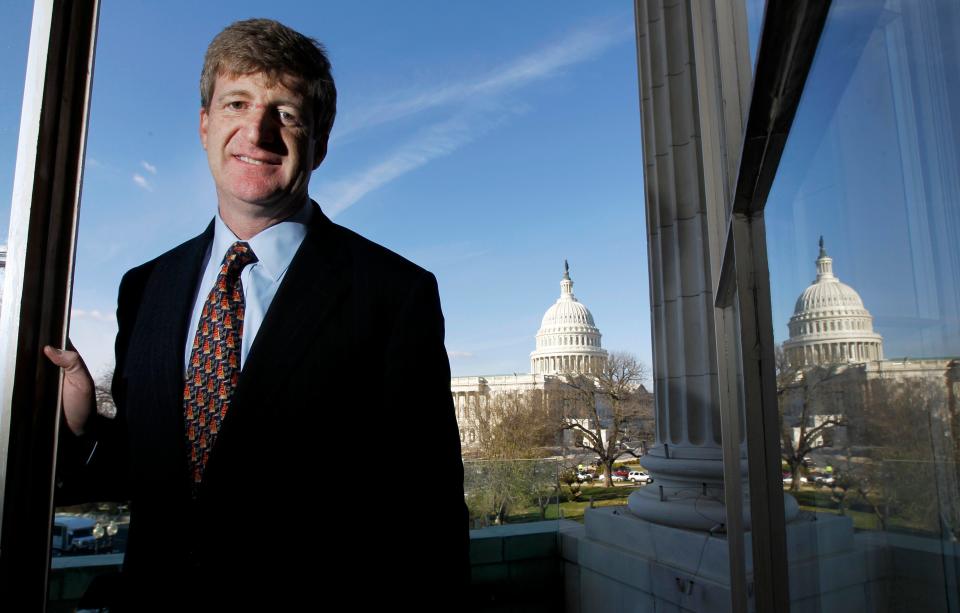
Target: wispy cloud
<point>578,46</point>
<point>447,253</point>
<point>142,182</point>
<point>149,167</point>
<point>434,142</point>
<point>94,314</point>
<point>453,355</point>
<point>479,109</point>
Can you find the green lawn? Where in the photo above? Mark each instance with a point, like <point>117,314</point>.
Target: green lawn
<point>819,500</point>
<point>602,497</point>
<point>811,499</point>
<point>861,520</point>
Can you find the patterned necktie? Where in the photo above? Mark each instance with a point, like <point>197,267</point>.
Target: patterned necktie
<point>215,359</point>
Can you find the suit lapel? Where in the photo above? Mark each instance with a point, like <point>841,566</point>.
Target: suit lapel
<point>153,368</point>
<point>313,286</point>
<point>173,291</point>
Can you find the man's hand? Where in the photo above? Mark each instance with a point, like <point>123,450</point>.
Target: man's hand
<point>79,401</point>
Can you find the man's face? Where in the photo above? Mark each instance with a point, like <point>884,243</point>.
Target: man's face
<point>260,143</point>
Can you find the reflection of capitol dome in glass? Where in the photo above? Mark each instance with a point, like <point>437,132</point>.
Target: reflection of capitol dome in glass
<point>830,323</point>
<point>568,340</point>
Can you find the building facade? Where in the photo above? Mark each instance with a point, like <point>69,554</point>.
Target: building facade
<point>568,342</point>
<point>837,369</point>
<point>568,339</point>
<point>830,324</point>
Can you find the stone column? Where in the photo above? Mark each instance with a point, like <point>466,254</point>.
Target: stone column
<point>686,459</point>
<point>690,121</point>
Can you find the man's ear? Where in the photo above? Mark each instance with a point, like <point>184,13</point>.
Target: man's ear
<point>320,149</point>
<point>204,119</point>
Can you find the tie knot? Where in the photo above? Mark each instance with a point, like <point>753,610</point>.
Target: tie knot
<point>238,255</point>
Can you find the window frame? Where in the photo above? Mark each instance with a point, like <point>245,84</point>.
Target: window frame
<point>788,43</point>
<point>38,285</point>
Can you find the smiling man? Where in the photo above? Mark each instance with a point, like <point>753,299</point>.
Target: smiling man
<point>262,143</point>
<point>248,355</point>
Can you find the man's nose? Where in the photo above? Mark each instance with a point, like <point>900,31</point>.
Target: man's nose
<point>261,126</point>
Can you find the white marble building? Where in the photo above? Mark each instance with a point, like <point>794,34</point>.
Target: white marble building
<point>568,341</point>
<point>832,328</point>
<point>830,324</point>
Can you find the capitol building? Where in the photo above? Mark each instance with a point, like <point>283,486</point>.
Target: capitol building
<point>830,323</point>
<point>832,330</point>
<point>568,341</point>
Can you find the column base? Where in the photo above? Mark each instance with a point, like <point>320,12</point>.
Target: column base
<point>623,563</point>
<point>693,508</point>
<point>687,491</point>
<point>688,508</point>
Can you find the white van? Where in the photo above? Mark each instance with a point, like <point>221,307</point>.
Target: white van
<point>72,534</point>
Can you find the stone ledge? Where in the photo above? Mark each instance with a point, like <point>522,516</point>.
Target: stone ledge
<point>823,535</point>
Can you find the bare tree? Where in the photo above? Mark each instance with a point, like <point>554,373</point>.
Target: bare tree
<point>513,430</point>
<point>906,468</point>
<point>808,413</point>
<point>104,396</point>
<point>516,425</point>
<point>607,408</point>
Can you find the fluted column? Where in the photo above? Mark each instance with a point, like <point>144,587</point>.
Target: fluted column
<point>686,202</point>
<point>686,459</point>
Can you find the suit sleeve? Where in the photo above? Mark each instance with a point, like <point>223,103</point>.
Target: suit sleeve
<point>94,467</point>
<point>418,379</point>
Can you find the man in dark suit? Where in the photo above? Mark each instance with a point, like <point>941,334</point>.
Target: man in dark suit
<point>250,356</point>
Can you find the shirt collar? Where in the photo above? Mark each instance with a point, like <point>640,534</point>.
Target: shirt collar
<point>274,247</point>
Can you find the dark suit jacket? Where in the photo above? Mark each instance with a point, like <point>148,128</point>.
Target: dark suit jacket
<point>348,370</point>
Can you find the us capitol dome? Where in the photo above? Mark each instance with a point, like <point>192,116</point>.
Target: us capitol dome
<point>830,323</point>
<point>568,340</point>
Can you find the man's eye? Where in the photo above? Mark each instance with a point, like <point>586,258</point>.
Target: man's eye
<point>236,105</point>
<point>288,118</point>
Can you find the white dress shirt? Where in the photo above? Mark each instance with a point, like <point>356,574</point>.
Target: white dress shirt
<point>274,248</point>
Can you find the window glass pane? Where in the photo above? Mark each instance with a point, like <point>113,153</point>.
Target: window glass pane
<point>15,37</point>
<point>868,317</point>
<point>730,359</point>
<point>488,164</point>
<point>755,9</point>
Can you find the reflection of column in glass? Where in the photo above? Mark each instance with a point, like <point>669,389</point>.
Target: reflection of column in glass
<point>3,270</point>
<point>923,102</point>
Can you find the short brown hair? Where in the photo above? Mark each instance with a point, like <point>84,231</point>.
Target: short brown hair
<point>268,46</point>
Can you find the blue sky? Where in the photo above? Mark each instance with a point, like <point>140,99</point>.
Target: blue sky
<point>871,164</point>
<point>486,142</point>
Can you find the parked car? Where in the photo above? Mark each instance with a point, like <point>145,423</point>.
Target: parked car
<point>638,476</point>
<point>72,534</point>
<point>824,479</point>
<point>788,479</point>
<point>584,477</point>
<point>622,472</point>
<point>616,477</point>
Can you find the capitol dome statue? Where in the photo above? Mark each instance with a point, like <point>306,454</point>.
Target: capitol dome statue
<point>568,340</point>
<point>830,323</point>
